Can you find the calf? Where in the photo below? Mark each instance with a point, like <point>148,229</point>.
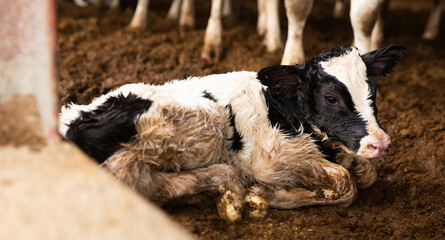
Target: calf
<point>290,133</point>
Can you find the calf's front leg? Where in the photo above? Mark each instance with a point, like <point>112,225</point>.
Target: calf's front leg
<point>333,185</point>
<point>361,168</point>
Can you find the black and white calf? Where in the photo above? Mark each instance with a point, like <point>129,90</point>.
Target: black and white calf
<point>290,135</point>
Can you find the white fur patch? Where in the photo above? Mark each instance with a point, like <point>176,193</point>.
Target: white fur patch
<point>351,71</point>
<point>239,89</point>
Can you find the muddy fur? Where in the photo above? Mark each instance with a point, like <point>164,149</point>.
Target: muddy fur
<point>226,133</point>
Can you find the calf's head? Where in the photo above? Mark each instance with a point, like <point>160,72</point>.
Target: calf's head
<point>333,93</point>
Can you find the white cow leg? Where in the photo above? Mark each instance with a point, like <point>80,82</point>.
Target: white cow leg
<point>80,3</point>
<point>213,36</point>
<point>364,15</point>
<point>272,39</point>
<point>174,11</point>
<point>187,18</point>
<point>227,9</point>
<point>377,34</point>
<point>432,26</point>
<point>339,8</point>
<point>297,12</point>
<point>99,3</point>
<point>139,20</point>
<point>261,24</point>
<point>113,4</point>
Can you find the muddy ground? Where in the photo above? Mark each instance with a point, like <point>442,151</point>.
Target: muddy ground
<point>97,54</point>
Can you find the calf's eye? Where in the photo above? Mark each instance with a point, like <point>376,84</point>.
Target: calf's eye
<point>331,100</point>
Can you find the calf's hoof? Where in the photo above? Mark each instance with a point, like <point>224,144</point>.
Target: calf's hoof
<point>256,206</point>
<point>230,207</point>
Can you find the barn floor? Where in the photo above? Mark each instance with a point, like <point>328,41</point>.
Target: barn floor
<point>96,55</point>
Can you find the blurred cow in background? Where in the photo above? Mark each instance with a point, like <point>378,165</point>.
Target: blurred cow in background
<point>366,19</point>
<point>184,10</point>
<point>84,3</point>
<point>268,25</point>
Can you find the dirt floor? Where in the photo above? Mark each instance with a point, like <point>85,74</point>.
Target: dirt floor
<point>96,54</point>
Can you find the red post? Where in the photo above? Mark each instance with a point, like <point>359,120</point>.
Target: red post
<point>27,56</point>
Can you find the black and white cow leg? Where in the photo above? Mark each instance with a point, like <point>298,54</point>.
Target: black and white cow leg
<point>361,168</point>
<point>333,186</point>
<point>162,187</point>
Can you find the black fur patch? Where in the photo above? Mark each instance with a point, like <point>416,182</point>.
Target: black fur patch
<point>237,143</point>
<point>289,119</point>
<point>382,61</point>
<point>100,132</point>
<point>209,96</point>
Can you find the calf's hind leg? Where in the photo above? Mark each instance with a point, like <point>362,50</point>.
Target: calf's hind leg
<point>217,177</point>
<point>334,186</point>
<point>162,187</point>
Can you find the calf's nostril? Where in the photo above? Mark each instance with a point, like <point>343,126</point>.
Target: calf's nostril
<point>374,146</point>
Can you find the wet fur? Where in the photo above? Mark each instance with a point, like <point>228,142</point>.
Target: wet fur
<point>226,133</point>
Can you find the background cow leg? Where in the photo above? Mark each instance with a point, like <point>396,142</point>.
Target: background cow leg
<point>114,4</point>
<point>297,12</point>
<point>272,38</point>
<point>339,8</point>
<point>174,11</point>
<point>187,17</point>
<point>432,26</point>
<point>139,20</point>
<point>377,34</point>
<point>227,9</point>
<point>213,36</point>
<point>333,186</point>
<point>261,24</point>
<point>363,16</point>
<point>361,168</point>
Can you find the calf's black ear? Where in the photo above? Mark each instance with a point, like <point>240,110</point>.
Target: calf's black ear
<point>381,62</point>
<point>283,77</point>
